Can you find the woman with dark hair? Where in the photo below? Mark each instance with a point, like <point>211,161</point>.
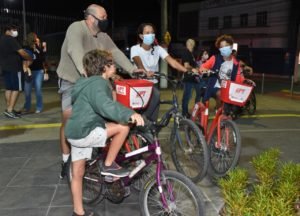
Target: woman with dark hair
<point>146,55</point>
<point>36,72</point>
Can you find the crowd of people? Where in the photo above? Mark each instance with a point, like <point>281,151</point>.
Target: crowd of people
<point>23,66</point>
<point>90,115</point>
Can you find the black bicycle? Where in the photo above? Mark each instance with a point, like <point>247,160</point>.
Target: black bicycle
<point>188,146</point>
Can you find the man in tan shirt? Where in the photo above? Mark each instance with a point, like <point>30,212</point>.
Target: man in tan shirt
<point>81,37</point>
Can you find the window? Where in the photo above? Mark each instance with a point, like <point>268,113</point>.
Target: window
<point>213,23</point>
<point>227,22</point>
<point>244,20</point>
<point>261,18</point>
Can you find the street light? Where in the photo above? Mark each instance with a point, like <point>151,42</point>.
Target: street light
<point>24,20</point>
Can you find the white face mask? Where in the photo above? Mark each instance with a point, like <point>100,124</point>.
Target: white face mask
<point>14,33</point>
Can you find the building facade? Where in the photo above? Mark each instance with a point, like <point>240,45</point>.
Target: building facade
<point>261,29</point>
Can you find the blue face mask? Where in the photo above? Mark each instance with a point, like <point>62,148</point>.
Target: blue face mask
<point>148,39</point>
<point>226,51</point>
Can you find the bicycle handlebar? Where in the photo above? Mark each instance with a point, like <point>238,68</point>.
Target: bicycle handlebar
<point>155,75</point>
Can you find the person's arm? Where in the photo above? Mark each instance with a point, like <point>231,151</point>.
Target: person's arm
<point>26,67</point>
<point>24,54</point>
<point>138,62</point>
<point>175,64</point>
<point>187,65</point>
<point>208,64</point>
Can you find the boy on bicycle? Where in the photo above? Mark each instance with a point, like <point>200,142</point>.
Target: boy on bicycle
<point>95,118</point>
<point>226,66</point>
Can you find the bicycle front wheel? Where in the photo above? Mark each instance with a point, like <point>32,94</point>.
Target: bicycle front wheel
<point>92,182</point>
<point>224,157</point>
<point>182,196</point>
<point>189,150</point>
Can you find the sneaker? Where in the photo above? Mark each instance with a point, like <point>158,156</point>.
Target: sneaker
<point>17,113</point>
<point>10,114</point>
<point>114,170</point>
<point>86,213</point>
<point>63,169</point>
<point>38,111</point>
<point>25,112</point>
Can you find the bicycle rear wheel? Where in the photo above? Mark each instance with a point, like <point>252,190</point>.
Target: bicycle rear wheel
<point>182,196</point>
<point>189,150</point>
<point>224,158</point>
<point>251,104</point>
<point>92,189</point>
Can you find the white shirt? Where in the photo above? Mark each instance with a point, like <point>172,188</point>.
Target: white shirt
<point>150,58</point>
<point>225,72</point>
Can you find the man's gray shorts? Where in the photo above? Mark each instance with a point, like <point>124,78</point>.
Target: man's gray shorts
<point>82,148</point>
<point>65,89</point>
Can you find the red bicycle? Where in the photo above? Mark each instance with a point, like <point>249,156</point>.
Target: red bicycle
<point>222,134</point>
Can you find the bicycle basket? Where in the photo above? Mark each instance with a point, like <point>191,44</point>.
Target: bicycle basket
<point>134,93</point>
<point>235,93</point>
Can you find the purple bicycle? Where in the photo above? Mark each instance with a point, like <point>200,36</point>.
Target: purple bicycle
<point>164,193</point>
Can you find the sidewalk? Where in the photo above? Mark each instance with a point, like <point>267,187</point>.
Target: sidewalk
<point>29,146</point>
<point>30,156</point>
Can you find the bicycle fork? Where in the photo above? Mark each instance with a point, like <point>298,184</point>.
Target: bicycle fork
<point>219,133</point>
<point>160,179</point>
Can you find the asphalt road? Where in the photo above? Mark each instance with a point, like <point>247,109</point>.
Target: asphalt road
<point>30,155</point>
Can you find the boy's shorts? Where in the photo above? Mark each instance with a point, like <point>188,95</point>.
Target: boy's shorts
<point>82,149</point>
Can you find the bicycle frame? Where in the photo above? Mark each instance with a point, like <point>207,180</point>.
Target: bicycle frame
<point>173,111</point>
<point>156,155</point>
<point>216,122</point>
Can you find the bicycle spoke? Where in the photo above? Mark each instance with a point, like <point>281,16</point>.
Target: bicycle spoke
<point>189,150</point>
<point>179,194</point>
<point>224,157</point>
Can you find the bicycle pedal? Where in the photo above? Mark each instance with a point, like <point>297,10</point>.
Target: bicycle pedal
<point>110,179</point>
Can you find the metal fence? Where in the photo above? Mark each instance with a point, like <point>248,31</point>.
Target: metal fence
<point>46,26</point>
<point>50,29</point>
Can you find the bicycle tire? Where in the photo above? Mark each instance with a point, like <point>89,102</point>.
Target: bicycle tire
<point>92,188</point>
<point>191,202</point>
<point>222,160</point>
<point>251,104</point>
<point>189,150</point>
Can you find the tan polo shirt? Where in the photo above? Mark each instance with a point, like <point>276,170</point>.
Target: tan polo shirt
<point>78,41</point>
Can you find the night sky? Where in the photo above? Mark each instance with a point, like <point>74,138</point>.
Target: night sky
<point>147,10</point>
<point>123,11</point>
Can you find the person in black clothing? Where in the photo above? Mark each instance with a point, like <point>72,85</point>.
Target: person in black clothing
<point>37,73</point>
<point>11,57</point>
<point>190,81</point>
